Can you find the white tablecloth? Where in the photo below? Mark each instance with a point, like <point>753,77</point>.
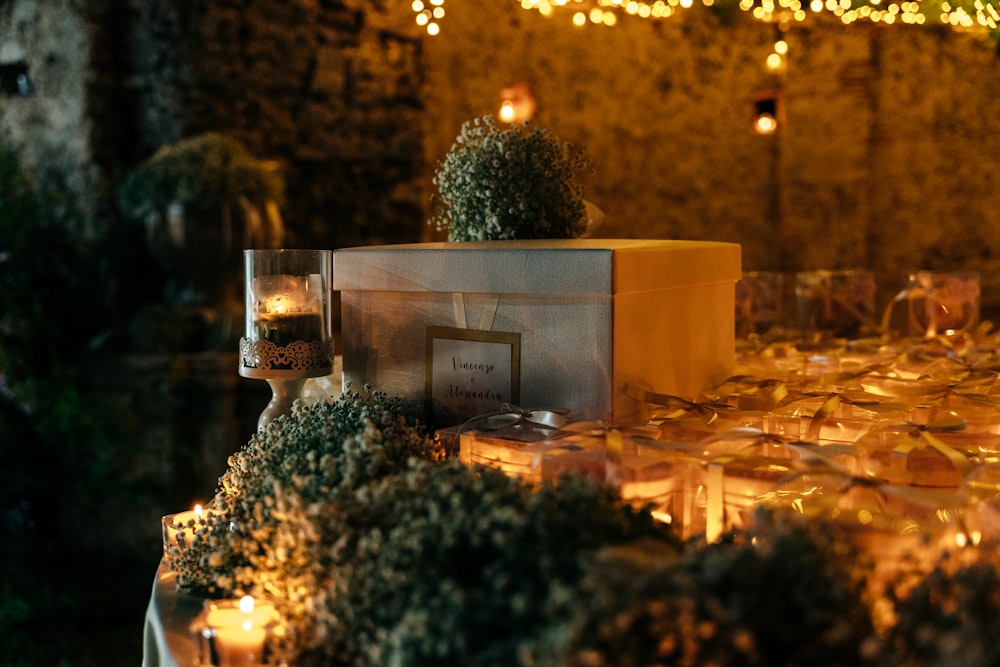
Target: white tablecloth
<point>166,639</point>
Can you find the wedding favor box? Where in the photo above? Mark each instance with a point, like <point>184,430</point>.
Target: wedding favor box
<point>458,329</point>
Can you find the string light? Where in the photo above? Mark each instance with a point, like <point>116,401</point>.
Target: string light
<point>428,14</point>
<point>959,14</point>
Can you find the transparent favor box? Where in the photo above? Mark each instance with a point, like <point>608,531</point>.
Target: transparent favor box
<point>923,456</point>
<point>901,529</point>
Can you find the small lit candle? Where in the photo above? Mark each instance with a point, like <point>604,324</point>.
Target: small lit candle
<point>238,630</point>
<point>288,309</point>
<point>178,527</point>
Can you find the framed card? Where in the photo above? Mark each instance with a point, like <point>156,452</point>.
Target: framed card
<point>470,372</point>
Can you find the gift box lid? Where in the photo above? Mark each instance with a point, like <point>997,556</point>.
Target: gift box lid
<point>572,266</point>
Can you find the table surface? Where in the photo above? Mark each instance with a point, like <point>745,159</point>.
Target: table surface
<point>166,638</point>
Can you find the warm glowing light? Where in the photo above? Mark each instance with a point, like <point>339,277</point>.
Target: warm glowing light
<point>507,111</point>
<point>426,16</point>
<point>765,123</point>
<point>246,604</point>
<point>971,14</point>
<point>774,61</point>
<point>781,47</point>
<point>198,512</point>
<point>865,517</point>
<point>517,103</point>
<point>660,515</point>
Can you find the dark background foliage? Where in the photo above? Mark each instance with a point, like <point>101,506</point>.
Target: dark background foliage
<point>74,571</point>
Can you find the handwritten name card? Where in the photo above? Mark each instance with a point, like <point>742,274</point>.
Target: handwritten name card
<point>470,372</point>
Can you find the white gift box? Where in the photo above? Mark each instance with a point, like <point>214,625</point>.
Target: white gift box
<point>460,328</point>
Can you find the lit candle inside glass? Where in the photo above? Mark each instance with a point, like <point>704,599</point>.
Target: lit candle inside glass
<point>288,309</point>
<point>238,630</point>
<point>179,528</point>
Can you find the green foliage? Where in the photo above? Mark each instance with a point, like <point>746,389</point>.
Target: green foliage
<point>52,301</point>
<point>64,454</point>
<point>951,617</point>
<point>447,564</point>
<point>205,171</point>
<point>784,593</point>
<point>380,553</point>
<point>517,182</point>
<point>320,453</point>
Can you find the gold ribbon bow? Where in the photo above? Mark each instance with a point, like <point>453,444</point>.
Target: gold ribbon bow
<point>922,435</point>
<point>512,416</point>
<point>672,407</point>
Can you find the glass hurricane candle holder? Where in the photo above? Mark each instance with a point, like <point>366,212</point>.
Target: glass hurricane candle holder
<point>237,633</point>
<point>289,334</point>
<point>179,529</point>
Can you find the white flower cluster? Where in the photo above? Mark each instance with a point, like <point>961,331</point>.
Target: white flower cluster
<point>378,552</point>
<point>518,182</point>
<point>374,549</point>
<point>261,537</point>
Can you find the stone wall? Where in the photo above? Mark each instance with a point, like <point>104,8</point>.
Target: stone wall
<point>330,89</point>
<point>889,155</point>
<point>51,127</point>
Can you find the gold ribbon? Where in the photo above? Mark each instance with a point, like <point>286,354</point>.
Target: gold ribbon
<point>672,407</point>
<point>922,435</point>
<point>512,416</point>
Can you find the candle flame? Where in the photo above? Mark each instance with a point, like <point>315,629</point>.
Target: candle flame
<point>198,512</point>
<point>246,604</point>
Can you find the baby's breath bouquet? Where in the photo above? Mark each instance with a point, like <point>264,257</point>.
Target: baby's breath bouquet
<point>377,551</point>
<point>266,534</point>
<point>782,593</point>
<point>517,182</point>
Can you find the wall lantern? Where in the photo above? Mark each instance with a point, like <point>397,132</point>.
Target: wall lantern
<point>14,79</point>
<point>766,115</point>
<point>517,103</point>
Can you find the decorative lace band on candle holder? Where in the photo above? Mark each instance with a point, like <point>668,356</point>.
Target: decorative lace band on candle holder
<point>298,359</point>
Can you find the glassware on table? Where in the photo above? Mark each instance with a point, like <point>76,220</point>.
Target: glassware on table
<point>840,302</point>
<point>288,336</point>
<point>237,633</point>
<point>942,303</point>
<point>759,302</point>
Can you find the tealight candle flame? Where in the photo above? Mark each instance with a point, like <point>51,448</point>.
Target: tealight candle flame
<point>246,604</point>
<point>198,511</point>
